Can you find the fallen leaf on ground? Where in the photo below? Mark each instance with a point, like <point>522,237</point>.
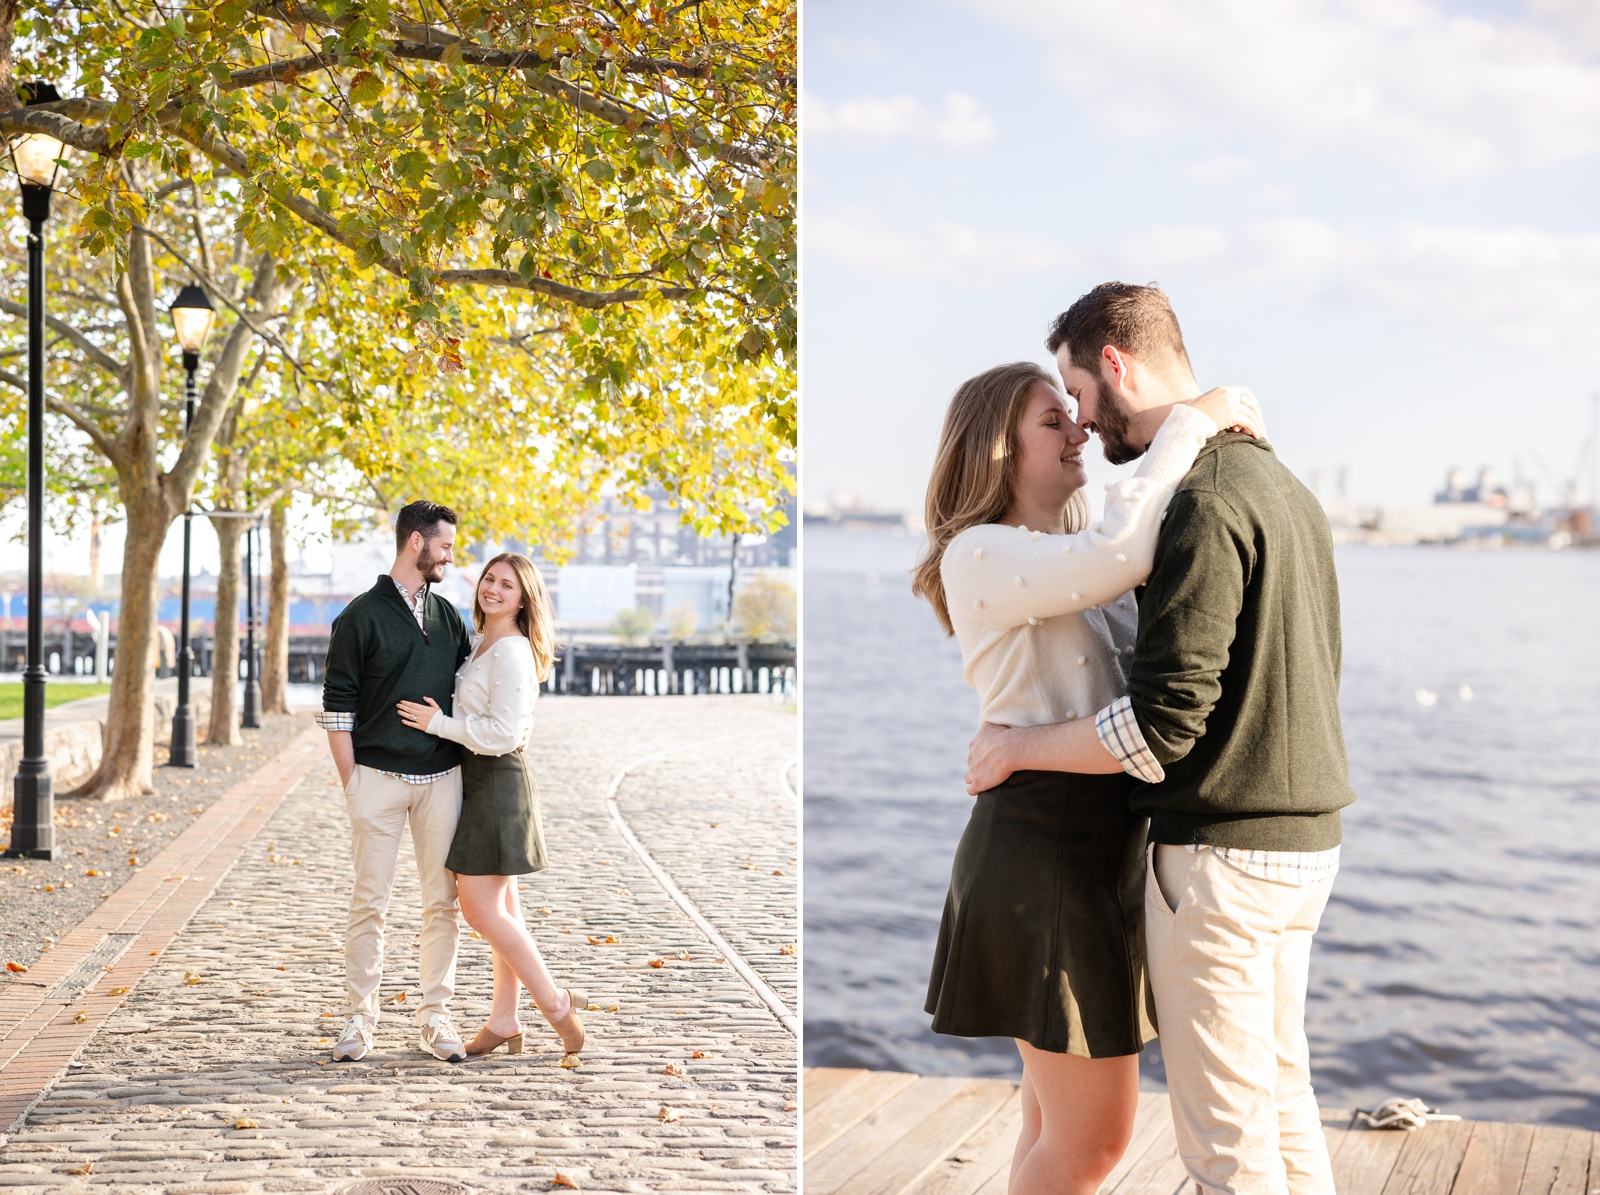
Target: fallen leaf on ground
<point>673,1069</point>
<point>608,940</point>
<point>16,966</point>
<point>84,1169</point>
<point>244,1122</point>
<point>49,887</point>
<point>475,934</point>
<point>190,978</point>
<point>791,1106</point>
<point>117,992</point>
<point>658,962</point>
<point>685,956</point>
<point>544,911</point>
<point>777,872</point>
<point>81,1017</point>
<point>133,860</point>
<point>786,949</point>
<point>668,1115</point>
<point>571,1062</point>
<point>91,872</point>
<point>699,1054</point>
<point>564,1180</point>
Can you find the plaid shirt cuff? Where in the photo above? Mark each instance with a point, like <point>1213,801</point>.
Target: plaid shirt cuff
<point>1119,731</point>
<point>335,720</point>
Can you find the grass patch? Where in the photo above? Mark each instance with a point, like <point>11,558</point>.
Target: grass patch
<point>11,696</point>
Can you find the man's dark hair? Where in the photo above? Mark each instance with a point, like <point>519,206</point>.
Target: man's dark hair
<point>422,516</point>
<point>1136,320</point>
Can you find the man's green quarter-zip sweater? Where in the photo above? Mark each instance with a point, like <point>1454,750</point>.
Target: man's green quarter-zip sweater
<point>378,656</point>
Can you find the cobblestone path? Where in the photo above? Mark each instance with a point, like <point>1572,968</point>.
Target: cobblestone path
<point>211,1077</point>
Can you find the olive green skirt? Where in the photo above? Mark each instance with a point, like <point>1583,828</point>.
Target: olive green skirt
<point>499,833</point>
<point>1042,937</point>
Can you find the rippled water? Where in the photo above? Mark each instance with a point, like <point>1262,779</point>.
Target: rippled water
<point>1459,959</point>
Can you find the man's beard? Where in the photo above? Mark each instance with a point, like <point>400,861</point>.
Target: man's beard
<point>431,567</point>
<point>1112,420</point>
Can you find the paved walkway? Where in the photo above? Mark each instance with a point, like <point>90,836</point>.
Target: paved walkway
<point>210,1074</point>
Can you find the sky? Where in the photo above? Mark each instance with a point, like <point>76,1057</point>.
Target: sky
<point>1379,215</point>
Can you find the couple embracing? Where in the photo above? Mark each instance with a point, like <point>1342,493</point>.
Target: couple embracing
<point>1161,767</point>
<point>426,724</point>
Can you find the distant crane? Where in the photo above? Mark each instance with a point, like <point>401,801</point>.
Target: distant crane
<point>1567,487</point>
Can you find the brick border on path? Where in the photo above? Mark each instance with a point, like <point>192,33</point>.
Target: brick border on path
<point>40,1033</point>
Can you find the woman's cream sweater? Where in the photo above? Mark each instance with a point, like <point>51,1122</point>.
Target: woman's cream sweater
<point>494,699</point>
<point>1046,623</point>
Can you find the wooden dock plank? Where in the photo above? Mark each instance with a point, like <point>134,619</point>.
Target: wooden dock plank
<point>933,1139</point>
<point>1153,1118</point>
<point>1429,1159</point>
<point>889,1133</point>
<point>1365,1160</point>
<point>1496,1158</point>
<point>1336,1127</point>
<point>822,1085</point>
<point>1158,1171</point>
<point>842,1159</point>
<point>1558,1162</point>
<point>826,1124</point>
<point>979,1158</point>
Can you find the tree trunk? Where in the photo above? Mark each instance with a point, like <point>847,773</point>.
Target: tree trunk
<point>275,668</point>
<point>125,762</point>
<point>225,636</point>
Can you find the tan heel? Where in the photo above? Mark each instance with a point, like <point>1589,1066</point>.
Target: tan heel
<point>487,1043</point>
<point>570,1027</point>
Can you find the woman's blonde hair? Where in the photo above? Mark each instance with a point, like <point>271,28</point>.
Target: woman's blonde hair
<point>534,618</point>
<point>974,474</point>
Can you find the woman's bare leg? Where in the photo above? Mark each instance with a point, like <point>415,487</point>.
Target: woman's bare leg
<point>1086,1109</point>
<point>1032,1119</point>
<point>484,904</point>
<point>503,1020</point>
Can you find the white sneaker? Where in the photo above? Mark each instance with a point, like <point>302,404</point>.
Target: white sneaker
<point>439,1038</point>
<point>355,1041</point>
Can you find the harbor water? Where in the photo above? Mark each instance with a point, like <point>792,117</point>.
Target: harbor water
<point>1459,958</point>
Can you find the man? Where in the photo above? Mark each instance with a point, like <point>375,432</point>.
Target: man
<point>1232,720</point>
<point>398,641</point>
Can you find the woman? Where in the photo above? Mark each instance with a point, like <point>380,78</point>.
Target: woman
<point>498,836</point>
<point>1041,938</point>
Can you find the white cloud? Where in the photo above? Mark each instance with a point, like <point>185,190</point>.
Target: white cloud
<point>867,242</point>
<point>1523,287</point>
<point>1400,83</point>
<point>1221,168</point>
<point>961,123</point>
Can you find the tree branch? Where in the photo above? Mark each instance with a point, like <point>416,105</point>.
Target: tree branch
<point>91,350</point>
<point>213,287</point>
<point>87,425</point>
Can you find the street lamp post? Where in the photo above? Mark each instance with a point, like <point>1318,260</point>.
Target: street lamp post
<point>36,157</point>
<point>192,317</point>
<point>250,715</point>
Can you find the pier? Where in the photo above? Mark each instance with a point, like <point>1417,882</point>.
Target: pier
<point>892,1133</point>
<point>584,669</point>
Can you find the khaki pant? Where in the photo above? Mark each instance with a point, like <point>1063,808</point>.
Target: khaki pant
<point>379,808</point>
<point>1229,955</point>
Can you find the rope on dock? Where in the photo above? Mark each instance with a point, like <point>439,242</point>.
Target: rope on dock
<point>746,972</point>
<point>1400,1113</point>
